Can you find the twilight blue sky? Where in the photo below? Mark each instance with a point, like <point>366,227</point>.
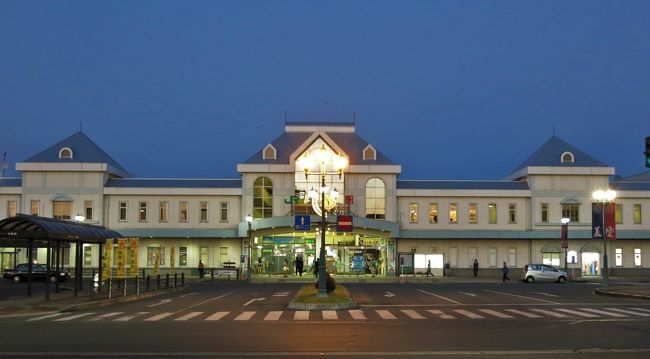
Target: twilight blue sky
<point>448,89</point>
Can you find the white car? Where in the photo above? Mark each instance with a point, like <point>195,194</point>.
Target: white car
<point>543,273</point>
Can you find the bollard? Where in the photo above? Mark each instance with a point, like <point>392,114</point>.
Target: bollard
<point>92,286</point>
<point>137,285</point>
<point>182,279</point>
<point>158,282</point>
<point>175,277</point>
<point>143,273</point>
<point>110,288</point>
<point>166,280</point>
<point>148,283</point>
<point>124,287</point>
<point>212,273</point>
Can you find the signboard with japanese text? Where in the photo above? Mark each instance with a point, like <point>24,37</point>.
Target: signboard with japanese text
<point>344,224</point>
<point>121,258</point>
<point>133,249</point>
<point>156,262</point>
<point>172,259</point>
<point>107,263</point>
<point>563,242</point>
<point>302,223</point>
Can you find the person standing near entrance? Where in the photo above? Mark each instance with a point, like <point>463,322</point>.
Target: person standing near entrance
<point>429,269</point>
<point>201,269</point>
<point>299,266</point>
<point>505,271</point>
<point>316,268</point>
<point>475,267</point>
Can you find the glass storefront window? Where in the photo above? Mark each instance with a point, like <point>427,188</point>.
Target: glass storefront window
<point>551,258</point>
<point>590,263</point>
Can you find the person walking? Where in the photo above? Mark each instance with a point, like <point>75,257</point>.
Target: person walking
<point>475,267</point>
<point>429,269</point>
<point>505,271</point>
<point>285,268</point>
<point>299,265</point>
<point>201,269</point>
<point>316,268</point>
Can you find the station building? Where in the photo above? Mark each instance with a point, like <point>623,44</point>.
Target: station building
<point>395,226</point>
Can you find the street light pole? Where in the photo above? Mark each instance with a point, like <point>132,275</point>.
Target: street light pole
<point>249,220</point>
<point>565,236</point>
<point>322,280</point>
<point>604,197</point>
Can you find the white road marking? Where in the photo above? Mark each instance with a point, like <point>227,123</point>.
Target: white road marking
<point>385,314</point>
<point>547,294</point>
<point>301,315</point>
<point>158,317</point>
<point>521,296</point>
<point>610,314</point>
<point>641,309</point>
<point>188,294</point>
<point>389,294</point>
<point>104,316</point>
<point>440,313</point>
<point>273,315</point>
<point>413,314</point>
<point>441,297</point>
<point>330,315</point>
<point>496,314</point>
<point>253,300</point>
<point>468,314</point>
<point>357,314</point>
<point>73,317</point>
<point>209,300</point>
<point>470,294</point>
<point>575,312</point>
<point>525,314</point>
<point>548,312</point>
<point>629,312</point>
<point>281,294</point>
<point>188,316</point>
<point>164,301</point>
<point>217,316</point>
<point>245,316</point>
<point>129,317</point>
<point>44,317</point>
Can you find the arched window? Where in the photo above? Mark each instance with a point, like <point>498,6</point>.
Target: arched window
<point>65,153</point>
<point>567,157</point>
<point>263,198</point>
<point>375,199</point>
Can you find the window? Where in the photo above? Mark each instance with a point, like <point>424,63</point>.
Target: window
<point>88,255</point>
<point>637,257</point>
<point>637,213</point>
<point>88,209</point>
<point>544,212</point>
<point>182,211</point>
<point>164,212</point>
<point>567,157</point>
<point>153,253</point>
<point>619,214</point>
<point>65,153</point>
<point>35,207</point>
<point>570,210</point>
<point>123,211</point>
<point>375,199</point>
<point>453,213</point>
<point>453,257</point>
<point>263,198</point>
<point>473,213</point>
<point>512,257</point>
<point>269,152</point>
<point>413,213</point>
<point>203,255</point>
<point>551,258</point>
<point>61,209</point>
<point>492,213</point>
<point>492,260</point>
<point>512,213</point>
<point>11,208</point>
<point>619,257</point>
<point>203,211</point>
<point>223,255</point>
<point>224,211</point>
<point>433,213</point>
<point>369,153</point>
<point>143,211</point>
<point>182,256</point>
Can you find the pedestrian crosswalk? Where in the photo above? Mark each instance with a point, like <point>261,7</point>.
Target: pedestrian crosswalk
<point>573,313</point>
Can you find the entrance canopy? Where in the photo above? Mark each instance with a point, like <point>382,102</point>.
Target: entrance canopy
<point>18,231</point>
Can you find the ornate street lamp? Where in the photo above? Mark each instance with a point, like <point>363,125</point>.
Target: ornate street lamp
<point>249,220</point>
<point>324,199</point>
<point>604,197</point>
<point>565,240</point>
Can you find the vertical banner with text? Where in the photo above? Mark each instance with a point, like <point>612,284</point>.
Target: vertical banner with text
<point>133,247</point>
<point>156,262</point>
<point>172,259</point>
<point>610,221</point>
<point>597,220</point>
<point>121,258</point>
<point>107,263</point>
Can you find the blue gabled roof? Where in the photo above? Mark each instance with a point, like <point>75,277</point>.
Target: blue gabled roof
<point>173,183</point>
<point>462,185</point>
<point>550,153</point>
<point>11,182</point>
<point>84,150</point>
<point>638,182</point>
<point>350,143</point>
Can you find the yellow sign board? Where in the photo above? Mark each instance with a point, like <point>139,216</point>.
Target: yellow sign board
<point>121,258</point>
<point>107,263</point>
<point>133,247</point>
<point>172,259</point>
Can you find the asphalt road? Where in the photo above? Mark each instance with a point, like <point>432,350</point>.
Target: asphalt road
<point>233,319</point>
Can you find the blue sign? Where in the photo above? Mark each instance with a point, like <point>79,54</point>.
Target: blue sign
<point>303,223</point>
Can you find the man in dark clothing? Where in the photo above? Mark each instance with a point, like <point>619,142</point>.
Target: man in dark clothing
<point>299,265</point>
<point>505,271</point>
<point>475,269</point>
<point>316,268</point>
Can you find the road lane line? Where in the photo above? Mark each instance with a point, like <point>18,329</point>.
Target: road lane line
<point>548,312</point>
<point>440,314</point>
<point>188,316</point>
<point>413,314</point>
<point>129,317</point>
<point>217,316</point>
<point>626,311</point>
<point>245,316</point>
<point>209,300</point>
<point>521,296</point>
<point>330,315</point>
<point>104,316</point>
<point>525,314</point>
<point>273,315</point>
<point>158,317</point>
<point>73,317</point>
<point>301,315</point>
<point>385,314</point>
<point>575,312</point>
<point>496,314</point>
<point>441,297</point>
<point>641,309</point>
<point>44,317</point>
<point>468,314</point>
<point>188,294</point>
<point>357,314</point>
<point>547,294</point>
<point>598,311</point>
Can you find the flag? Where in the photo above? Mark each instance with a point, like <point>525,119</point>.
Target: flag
<point>610,221</point>
<point>597,221</point>
<point>564,243</point>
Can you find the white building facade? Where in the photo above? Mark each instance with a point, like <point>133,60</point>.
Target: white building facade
<point>398,225</point>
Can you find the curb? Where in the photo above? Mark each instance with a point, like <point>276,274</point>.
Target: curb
<point>601,291</point>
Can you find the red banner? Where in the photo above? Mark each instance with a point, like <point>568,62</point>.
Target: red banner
<point>564,243</point>
<point>610,221</point>
<point>349,200</point>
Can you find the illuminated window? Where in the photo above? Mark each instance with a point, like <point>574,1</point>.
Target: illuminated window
<point>182,256</point>
<point>11,208</point>
<point>473,213</point>
<point>637,213</point>
<point>551,258</point>
<point>619,257</point>
<point>453,213</point>
<point>433,213</point>
<point>153,253</point>
<point>570,210</point>
<point>618,215</point>
<point>375,199</point>
<point>637,257</point>
<point>263,198</point>
<point>61,209</point>
<point>143,212</point>
<point>492,213</point>
<point>413,213</point>
<point>35,207</point>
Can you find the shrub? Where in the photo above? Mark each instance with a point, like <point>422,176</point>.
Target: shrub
<point>330,283</point>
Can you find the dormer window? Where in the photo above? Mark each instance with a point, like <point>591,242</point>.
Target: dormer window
<point>567,157</point>
<point>269,153</point>
<point>65,153</point>
<point>369,153</point>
